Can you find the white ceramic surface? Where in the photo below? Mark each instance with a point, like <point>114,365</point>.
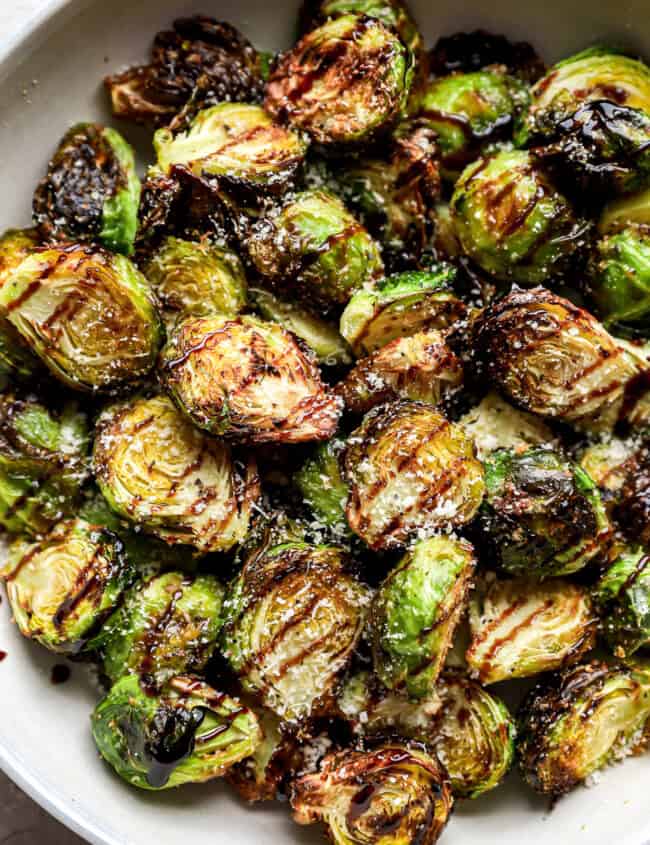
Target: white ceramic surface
<point>51,64</point>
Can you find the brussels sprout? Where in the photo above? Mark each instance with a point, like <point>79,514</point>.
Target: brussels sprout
<point>187,733</point>
<point>322,337</point>
<point>400,306</point>
<point>157,470</point>
<point>42,463</point>
<point>91,190</point>
<point>392,795</point>
<point>521,628</point>
<point>477,50</point>
<point>62,586</point>
<point>554,359</point>
<point>196,48</point>
<point>197,278</point>
<point>249,380</point>
<point>633,511</point>
<point>88,314</point>
<point>314,243</point>
<point>626,211</point>
<point>415,612</point>
<point>542,515</point>
<point>293,617</point>
<point>619,283</point>
<point>512,222</point>
<point>167,625</point>
<point>16,358</point>
<point>579,721</point>
<point>609,463</point>
<point>323,487</point>
<point>343,82</point>
<point>411,472</point>
<point>623,597</point>
<point>420,367</point>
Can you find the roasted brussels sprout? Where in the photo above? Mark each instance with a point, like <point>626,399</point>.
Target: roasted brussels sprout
<point>623,597</point>
<point>420,367</point>
<point>167,625</point>
<point>155,469</point>
<point>415,612</point>
<point>477,50</point>
<point>343,82</point>
<point>186,733</point>
<point>554,359</point>
<point>323,487</point>
<point>633,508</point>
<point>579,721</point>
<point>400,306</point>
<point>91,190</point>
<point>625,211</point>
<point>512,221</point>
<point>64,585</point>
<point>194,278</point>
<point>42,463</point>
<point>249,380</point>
<point>88,314</point>
<point>410,471</point>
<point>316,245</point>
<point>521,628</point>
<point>609,463</point>
<point>391,795</point>
<point>197,47</point>
<point>292,619</point>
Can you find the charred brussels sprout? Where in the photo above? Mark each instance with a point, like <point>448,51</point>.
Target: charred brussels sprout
<point>421,367</point>
<point>192,278</point>
<point>415,612</point>
<point>391,795</point>
<point>343,82</point>
<point>400,306</point>
<point>61,587</point>
<point>512,221</point>
<point>196,48</point>
<point>249,380</point>
<point>187,733</point>
<point>623,596</point>
<point>609,463</point>
<point>554,359</point>
<point>16,358</point>
<point>166,625</point>
<point>293,617</point>
<point>88,314</point>
<point>477,50</point>
<point>542,514</point>
<point>410,471</point>
<point>314,243</point>
<point>521,628</point>
<point>91,190</point>
<point>155,469</point>
<point>578,722</point>
<point>42,463</point>
<point>323,487</point>
<point>633,510</point>
<point>626,211</point>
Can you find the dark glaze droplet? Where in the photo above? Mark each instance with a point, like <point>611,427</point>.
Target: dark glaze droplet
<point>3,656</point>
<point>60,674</point>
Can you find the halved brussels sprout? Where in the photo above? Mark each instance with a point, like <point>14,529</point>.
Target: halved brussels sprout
<point>609,463</point>
<point>619,283</point>
<point>197,47</point>
<point>321,337</point>
<point>420,367</point>
<point>167,625</point>
<point>521,628</point>
<point>623,597</point>
<point>626,211</point>
<point>91,190</point>
<point>61,588</point>
<point>155,469</point>
<point>293,617</point>
<point>316,245</point>
<point>194,278</point>
<point>343,82</point>
<point>400,306</point>
<point>42,463</point>
<point>410,471</point>
<point>415,612</point>
<point>323,487</point>
<point>556,360</point>
<point>249,380</point>
<point>580,720</point>
<point>88,314</point>
<point>186,733</point>
<point>16,358</point>
<point>512,221</point>
<point>542,514</point>
<point>391,795</point>
<point>477,50</point>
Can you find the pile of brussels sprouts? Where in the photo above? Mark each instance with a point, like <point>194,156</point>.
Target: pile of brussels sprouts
<point>308,439</point>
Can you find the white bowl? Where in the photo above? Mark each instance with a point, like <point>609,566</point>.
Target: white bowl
<point>50,77</point>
